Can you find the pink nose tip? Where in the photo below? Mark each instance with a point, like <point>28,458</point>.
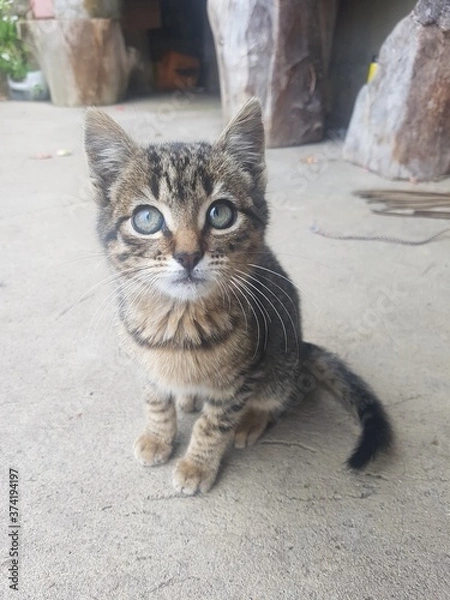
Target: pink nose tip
<point>189,260</point>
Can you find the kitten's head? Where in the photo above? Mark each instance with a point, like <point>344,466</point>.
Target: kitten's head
<point>182,218</point>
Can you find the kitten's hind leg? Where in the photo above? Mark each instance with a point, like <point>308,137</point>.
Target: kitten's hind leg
<point>189,404</point>
<point>251,427</point>
<point>155,445</point>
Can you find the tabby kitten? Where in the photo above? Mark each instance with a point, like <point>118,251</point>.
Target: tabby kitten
<point>204,305</point>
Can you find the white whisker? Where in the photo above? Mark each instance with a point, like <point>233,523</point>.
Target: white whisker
<point>262,309</point>
<point>287,279</point>
<point>110,278</point>
<point>255,316</point>
<point>122,292</point>
<point>272,305</point>
<point>242,308</point>
<point>294,328</point>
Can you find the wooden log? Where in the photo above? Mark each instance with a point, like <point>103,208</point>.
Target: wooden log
<point>84,61</point>
<point>87,9</point>
<point>400,126</point>
<point>275,50</point>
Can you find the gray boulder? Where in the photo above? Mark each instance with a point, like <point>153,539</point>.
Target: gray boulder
<point>400,126</point>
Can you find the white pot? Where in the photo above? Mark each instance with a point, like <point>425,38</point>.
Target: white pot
<point>33,87</point>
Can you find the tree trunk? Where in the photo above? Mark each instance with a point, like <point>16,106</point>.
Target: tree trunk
<point>400,126</point>
<point>277,50</point>
<point>84,61</point>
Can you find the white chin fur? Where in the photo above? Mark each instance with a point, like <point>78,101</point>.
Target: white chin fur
<point>184,291</point>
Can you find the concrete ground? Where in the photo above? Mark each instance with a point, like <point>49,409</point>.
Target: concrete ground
<point>285,519</point>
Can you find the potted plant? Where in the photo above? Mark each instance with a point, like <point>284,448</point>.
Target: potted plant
<point>24,82</point>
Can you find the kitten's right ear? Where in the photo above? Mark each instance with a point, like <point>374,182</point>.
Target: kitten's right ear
<point>243,138</point>
<point>107,146</point>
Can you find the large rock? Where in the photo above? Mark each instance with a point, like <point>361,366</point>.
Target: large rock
<point>429,12</point>
<point>84,61</point>
<point>400,126</point>
<point>278,51</point>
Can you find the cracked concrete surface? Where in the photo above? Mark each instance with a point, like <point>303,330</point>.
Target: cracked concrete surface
<point>285,519</point>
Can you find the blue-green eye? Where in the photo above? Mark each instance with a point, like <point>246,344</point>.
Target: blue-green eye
<point>147,220</point>
<point>221,214</point>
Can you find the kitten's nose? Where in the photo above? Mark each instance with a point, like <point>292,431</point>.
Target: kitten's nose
<point>189,260</point>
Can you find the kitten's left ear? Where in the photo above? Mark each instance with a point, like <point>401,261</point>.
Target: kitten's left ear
<point>107,146</point>
<point>243,138</point>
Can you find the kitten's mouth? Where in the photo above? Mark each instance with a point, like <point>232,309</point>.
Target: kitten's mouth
<point>189,280</point>
<point>188,287</point>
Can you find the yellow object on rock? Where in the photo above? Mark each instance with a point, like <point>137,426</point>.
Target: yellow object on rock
<point>373,68</point>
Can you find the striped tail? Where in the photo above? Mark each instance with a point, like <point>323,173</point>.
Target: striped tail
<point>357,397</point>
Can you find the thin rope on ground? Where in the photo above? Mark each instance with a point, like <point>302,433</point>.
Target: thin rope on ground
<point>379,238</point>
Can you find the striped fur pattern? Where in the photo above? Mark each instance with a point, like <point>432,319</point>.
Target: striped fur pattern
<point>204,305</point>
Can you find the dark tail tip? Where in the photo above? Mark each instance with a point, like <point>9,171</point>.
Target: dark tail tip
<point>376,437</point>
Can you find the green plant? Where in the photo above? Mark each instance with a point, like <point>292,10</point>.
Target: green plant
<point>13,56</point>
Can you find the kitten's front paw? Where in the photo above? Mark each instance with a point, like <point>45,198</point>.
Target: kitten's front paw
<point>149,451</point>
<point>190,478</point>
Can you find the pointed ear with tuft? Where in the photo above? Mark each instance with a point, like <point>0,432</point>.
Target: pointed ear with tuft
<point>107,147</point>
<point>243,138</point>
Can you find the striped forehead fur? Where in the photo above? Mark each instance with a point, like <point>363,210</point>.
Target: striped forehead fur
<point>180,166</point>
<point>181,175</point>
